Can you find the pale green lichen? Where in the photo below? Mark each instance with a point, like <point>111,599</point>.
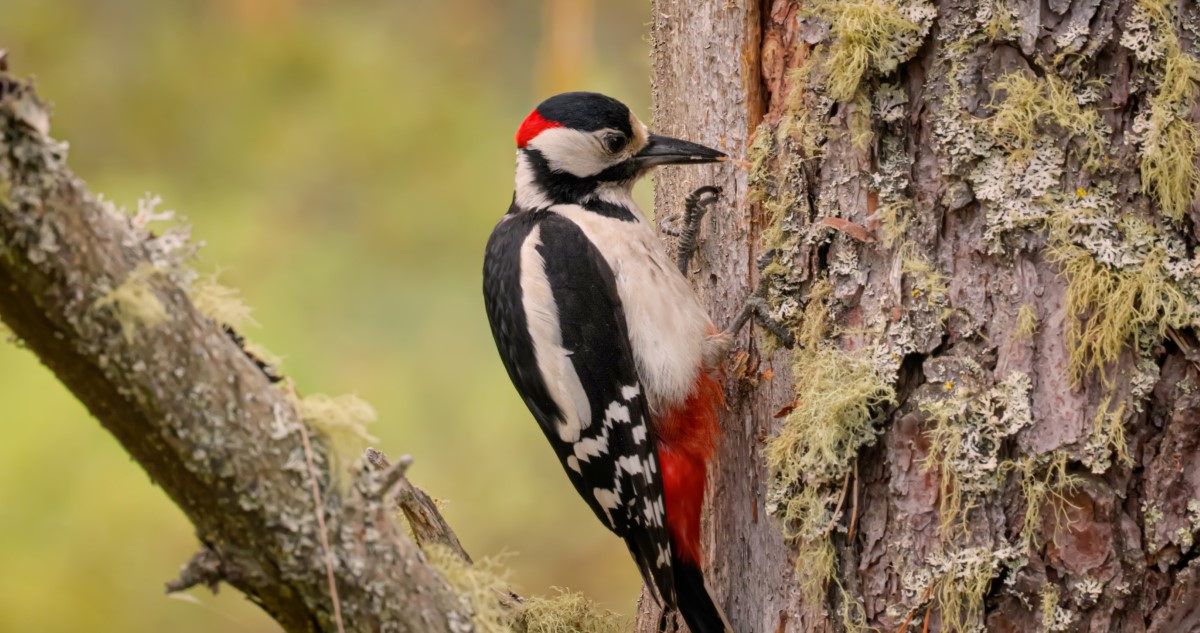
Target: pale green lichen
<point>1027,322</point>
<point>891,182</point>
<point>959,137</point>
<point>853,614</point>
<point>1107,440</point>
<point>1186,534</point>
<point>1013,191</point>
<point>1101,249</point>
<point>844,267</point>
<point>838,393</point>
<point>1054,616</point>
<point>1152,513</point>
<point>570,612</point>
<point>1020,163</point>
<point>926,282</point>
<point>343,420</point>
<point>1045,484</point>
<point>133,302</point>
<point>869,37</point>
<point>806,119</point>
<point>1110,308</point>
<point>961,579</point>
<point>774,183</point>
<point>482,587</point>
<point>1089,589</point>
<point>1033,107</point>
<point>1144,34</point>
<point>997,19</point>
<point>220,303</point>
<point>483,590</point>
<point>806,518</point>
<point>1169,140</point>
<point>1129,282</point>
<point>859,128</point>
<point>166,241</point>
<point>1185,539</point>
<point>966,429</point>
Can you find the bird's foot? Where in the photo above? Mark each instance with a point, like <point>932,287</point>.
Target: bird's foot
<point>694,208</point>
<point>759,310</point>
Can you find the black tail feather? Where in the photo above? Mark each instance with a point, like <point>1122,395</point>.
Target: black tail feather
<point>695,604</point>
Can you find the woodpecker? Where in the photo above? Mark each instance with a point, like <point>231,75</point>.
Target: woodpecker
<point>607,343</point>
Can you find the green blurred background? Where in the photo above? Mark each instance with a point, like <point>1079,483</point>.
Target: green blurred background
<point>344,161</point>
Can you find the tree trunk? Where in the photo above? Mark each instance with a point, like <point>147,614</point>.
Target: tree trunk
<point>983,225</point>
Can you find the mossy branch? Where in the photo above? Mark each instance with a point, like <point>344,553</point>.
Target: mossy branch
<point>81,287</point>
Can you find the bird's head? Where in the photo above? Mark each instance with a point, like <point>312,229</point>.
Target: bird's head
<point>577,145</point>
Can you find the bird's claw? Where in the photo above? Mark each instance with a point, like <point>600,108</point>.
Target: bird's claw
<point>694,208</point>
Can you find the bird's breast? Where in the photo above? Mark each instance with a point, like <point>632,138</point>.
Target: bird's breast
<point>666,321</point>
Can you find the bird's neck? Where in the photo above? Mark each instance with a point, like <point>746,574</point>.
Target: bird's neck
<point>537,187</point>
<point>531,192</point>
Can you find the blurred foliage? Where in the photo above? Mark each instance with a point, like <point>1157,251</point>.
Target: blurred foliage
<point>345,162</point>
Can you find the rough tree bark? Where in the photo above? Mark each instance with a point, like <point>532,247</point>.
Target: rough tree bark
<point>984,226</point>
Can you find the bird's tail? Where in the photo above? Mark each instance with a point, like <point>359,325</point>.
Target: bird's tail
<point>694,601</point>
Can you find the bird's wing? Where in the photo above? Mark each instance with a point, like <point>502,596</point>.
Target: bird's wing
<point>556,316</point>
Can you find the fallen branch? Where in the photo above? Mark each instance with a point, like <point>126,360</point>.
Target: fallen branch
<point>89,294</point>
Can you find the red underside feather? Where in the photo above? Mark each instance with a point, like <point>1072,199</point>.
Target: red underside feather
<point>687,436</point>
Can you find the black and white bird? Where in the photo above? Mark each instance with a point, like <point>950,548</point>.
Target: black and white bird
<point>604,338</point>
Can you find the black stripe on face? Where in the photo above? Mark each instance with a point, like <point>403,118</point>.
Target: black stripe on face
<point>564,188</point>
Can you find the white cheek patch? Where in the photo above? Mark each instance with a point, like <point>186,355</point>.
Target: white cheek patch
<point>571,151</point>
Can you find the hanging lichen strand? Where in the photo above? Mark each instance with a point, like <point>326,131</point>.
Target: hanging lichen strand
<point>1026,139</point>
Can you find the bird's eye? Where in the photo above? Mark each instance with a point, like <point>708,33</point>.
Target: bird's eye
<point>614,142</point>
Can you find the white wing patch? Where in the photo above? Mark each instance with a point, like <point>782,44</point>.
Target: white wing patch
<point>639,433</point>
<point>588,447</point>
<point>630,464</point>
<point>608,499</point>
<point>554,361</point>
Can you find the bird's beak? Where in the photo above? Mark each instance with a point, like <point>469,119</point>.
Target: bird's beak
<point>664,150</point>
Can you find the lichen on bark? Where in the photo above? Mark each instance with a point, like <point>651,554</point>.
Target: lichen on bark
<point>990,223</point>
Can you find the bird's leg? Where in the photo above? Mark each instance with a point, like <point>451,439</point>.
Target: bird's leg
<point>694,207</point>
<point>718,345</point>
<point>756,308</point>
